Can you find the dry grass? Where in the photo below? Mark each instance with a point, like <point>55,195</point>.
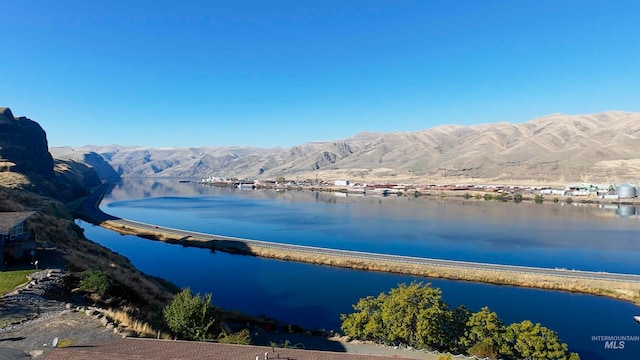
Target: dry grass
<point>142,328</point>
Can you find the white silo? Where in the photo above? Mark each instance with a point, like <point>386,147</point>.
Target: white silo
<point>626,190</point>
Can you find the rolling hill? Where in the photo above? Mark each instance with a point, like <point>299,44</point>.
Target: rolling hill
<point>597,148</point>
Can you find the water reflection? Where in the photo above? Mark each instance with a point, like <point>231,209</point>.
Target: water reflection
<point>623,211</point>
<point>577,236</point>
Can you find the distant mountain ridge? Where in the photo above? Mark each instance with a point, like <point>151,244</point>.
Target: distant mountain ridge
<point>600,148</point>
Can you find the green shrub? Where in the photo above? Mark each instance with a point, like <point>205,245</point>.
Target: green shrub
<point>97,281</point>
<point>190,316</point>
<point>538,199</point>
<point>517,198</point>
<point>242,337</point>
<point>488,197</point>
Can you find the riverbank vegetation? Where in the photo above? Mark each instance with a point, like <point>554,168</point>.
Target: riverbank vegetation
<point>415,315</point>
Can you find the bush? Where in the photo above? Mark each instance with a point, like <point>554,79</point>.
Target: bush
<point>242,337</point>
<point>466,196</point>
<point>97,281</point>
<point>538,199</point>
<point>488,197</point>
<point>190,316</point>
<point>517,198</point>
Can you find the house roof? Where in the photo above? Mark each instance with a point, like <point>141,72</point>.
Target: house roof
<point>11,219</point>
<point>143,349</point>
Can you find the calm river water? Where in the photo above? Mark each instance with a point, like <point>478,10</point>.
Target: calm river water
<point>547,235</point>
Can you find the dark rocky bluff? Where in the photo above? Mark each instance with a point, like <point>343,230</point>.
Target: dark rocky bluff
<point>24,143</point>
<point>24,150</point>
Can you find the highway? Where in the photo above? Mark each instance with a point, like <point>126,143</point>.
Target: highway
<point>89,211</point>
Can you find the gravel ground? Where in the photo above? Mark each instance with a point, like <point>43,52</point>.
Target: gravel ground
<point>71,328</point>
<point>33,316</point>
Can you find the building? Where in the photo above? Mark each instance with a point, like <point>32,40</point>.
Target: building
<point>15,243</point>
<point>342,183</point>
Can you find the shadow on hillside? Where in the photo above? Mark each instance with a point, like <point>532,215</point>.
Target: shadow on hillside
<point>47,258</point>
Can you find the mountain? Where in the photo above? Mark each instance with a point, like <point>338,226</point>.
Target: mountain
<point>26,164</point>
<point>600,148</point>
<point>23,145</point>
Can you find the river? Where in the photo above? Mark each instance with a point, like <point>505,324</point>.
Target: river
<point>548,235</point>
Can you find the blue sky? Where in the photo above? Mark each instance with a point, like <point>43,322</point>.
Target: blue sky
<point>280,73</point>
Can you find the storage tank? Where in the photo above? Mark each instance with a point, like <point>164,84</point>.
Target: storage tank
<point>626,190</point>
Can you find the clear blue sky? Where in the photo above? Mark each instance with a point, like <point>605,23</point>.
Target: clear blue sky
<point>280,73</point>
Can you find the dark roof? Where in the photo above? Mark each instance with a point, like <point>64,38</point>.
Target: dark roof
<point>11,219</point>
<point>143,349</point>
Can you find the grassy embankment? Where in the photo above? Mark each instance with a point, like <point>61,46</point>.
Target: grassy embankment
<point>622,290</point>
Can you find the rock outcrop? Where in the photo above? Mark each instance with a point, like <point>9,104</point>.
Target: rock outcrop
<point>23,146</point>
<point>26,164</point>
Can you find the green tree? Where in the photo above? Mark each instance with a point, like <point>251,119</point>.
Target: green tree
<point>517,198</point>
<point>189,316</point>
<point>410,314</point>
<point>485,334</point>
<point>538,199</point>
<point>534,341</point>
<point>366,322</point>
<point>488,197</point>
<point>456,327</point>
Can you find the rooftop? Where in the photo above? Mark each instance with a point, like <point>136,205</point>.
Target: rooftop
<point>11,219</point>
<point>143,349</point>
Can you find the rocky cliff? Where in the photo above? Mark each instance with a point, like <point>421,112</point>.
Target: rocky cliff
<point>26,164</point>
<point>23,146</point>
